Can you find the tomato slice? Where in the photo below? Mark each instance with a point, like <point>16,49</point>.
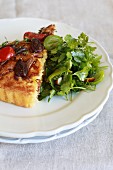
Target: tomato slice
<point>6,53</point>
<point>31,35</point>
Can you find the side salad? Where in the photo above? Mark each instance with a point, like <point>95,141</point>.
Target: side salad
<point>72,66</point>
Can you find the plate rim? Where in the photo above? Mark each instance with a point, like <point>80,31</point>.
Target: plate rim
<point>52,137</point>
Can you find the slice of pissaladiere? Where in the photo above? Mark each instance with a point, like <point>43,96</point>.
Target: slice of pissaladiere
<point>22,67</point>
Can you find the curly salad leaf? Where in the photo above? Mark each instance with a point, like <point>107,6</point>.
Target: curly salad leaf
<point>72,65</point>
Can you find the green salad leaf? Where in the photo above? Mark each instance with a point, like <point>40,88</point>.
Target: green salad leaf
<point>52,42</point>
<point>82,74</point>
<point>72,65</point>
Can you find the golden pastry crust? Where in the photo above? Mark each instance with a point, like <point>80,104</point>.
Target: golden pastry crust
<point>22,92</point>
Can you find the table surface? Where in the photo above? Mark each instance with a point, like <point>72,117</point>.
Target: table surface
<point>90,148</point>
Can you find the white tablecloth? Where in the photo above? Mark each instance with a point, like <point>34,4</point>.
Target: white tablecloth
<point>90,148</point>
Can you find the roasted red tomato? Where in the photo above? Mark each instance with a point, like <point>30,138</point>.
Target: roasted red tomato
<point>31,35</point>
<point>6,53</point>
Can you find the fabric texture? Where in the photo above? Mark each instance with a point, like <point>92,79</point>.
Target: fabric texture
<point>90,148</point>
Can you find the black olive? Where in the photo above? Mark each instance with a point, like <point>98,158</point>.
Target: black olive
<point>22,67</point>
<point>36,45</point>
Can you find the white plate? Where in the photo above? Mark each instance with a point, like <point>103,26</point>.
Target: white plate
<point>40,139</point>
<point>46,119</point>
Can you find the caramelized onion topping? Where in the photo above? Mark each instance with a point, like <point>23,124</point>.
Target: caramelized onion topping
<point>48,30</point>
<point>20,50</point>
